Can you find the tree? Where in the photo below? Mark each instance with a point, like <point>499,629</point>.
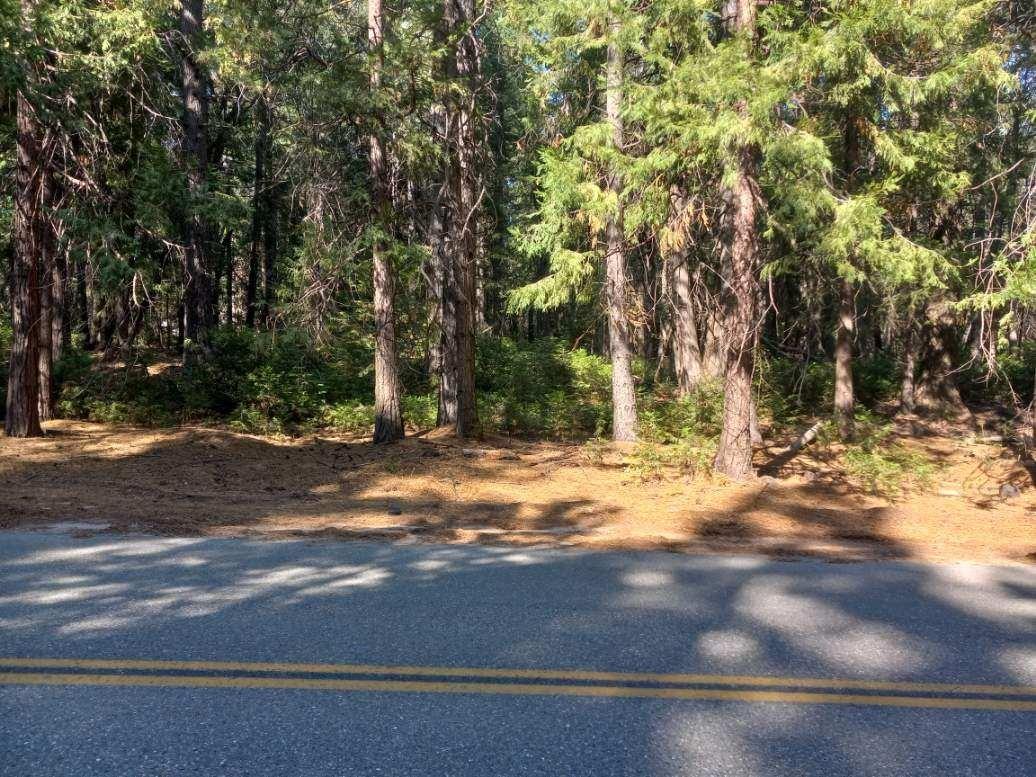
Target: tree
<point>388,414</point>
<point>460,197</point>
<point>624,404</point>
<point>740,278</point>
<point>31,239</point>
<point>199,294</point>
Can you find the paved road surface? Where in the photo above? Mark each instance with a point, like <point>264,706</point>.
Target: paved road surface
<point>146,657</point>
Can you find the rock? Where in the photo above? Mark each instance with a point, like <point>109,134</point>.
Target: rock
<point>948,492</point>
<point>395,510</point>
<point>809,476</point>
<point>1009,491</point>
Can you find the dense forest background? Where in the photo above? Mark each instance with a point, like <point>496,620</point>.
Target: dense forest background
<point>683,221</point>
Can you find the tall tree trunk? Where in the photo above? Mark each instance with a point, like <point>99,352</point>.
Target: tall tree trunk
<point>741,296</point>
<point>714,357</point>
<point>83,304</point>
<point>271,238</point>
<point>624,404</point>
<point>388,413</point>
<point>23,412</point>
<point>687,356</point>
<point>906,391</point>
<point>228,266</point>
<point>46,297</point>
<point>844,399</point>
<point>262,143</point>
<point>59,316</point>
<point>457,405</point>
<point>198,302</point>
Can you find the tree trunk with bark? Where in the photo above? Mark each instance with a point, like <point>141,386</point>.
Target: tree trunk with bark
<point>460,195</point>
<point>259,187</point>
<point>844,398</point>
<point>687,356</point>
<point>907,387</point>
<point>624,405</point>
<point>388,412</point>
<point>741,296</point>
<point>228,268</point>
<point>198,280</point>
<point>22,417</point>
<point>936,392</point>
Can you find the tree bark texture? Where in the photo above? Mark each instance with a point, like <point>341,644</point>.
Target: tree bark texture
<point>624,406</point>
<point>198,280</point>
<point>741,297</point>
<point>22,417</point>
<point>388,412</point>
<point>461,196</point>
<point>844,399</point>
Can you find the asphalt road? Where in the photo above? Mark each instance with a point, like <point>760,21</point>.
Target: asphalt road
<point>144,656</point>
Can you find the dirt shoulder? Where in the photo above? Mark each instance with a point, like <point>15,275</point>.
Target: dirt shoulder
<point>212,482</point>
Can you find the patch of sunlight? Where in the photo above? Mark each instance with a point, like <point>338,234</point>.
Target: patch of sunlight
<point>970,589</point>
<point>183,561</point>
<point>73,594</point>
<point>121,548</point>
<point>521,559</point>
<point>431,565</point>
<point>1020,663</point>
<point>647,578</point>
<point>728,646</point>
<point>725,739</point>
<point>368,578</point>
<point>70,580</point>
<point>97,623</point>
<point>326,488</point>
<point>846,643</point>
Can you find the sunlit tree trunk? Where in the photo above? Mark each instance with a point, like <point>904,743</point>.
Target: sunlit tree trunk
<point>624,405</point>
<point>844,398</point>
<point>388,413</point>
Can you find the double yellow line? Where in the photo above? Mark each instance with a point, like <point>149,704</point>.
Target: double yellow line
<point>535,682</point>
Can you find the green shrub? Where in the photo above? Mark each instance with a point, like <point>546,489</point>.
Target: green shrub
<point>352,417</point>
<point>698,415</point>
<point>691,455</point>
<point>421,410</point>
<point>542,388</point>
<point>884,466</point>
<point>789,389</point>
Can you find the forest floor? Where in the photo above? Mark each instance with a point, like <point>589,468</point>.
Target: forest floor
<point>87,478</point>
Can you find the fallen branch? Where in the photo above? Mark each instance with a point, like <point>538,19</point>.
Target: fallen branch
<point>806,438</point>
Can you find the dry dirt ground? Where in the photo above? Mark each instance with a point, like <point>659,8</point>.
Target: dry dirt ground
<point>216,482</point>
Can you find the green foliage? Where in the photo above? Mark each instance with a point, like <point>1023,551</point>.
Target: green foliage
<point>258,382</point>
<point>542,388</point>
<point>690,455</point>
<point>666,420</point>
<point>884,466</point>
<point>790,390</point>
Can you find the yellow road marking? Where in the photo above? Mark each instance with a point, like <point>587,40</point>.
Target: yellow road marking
<point>521,674</point>
<point>518,689</point>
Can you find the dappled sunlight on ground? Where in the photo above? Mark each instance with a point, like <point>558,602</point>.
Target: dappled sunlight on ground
<point>197,481</point>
